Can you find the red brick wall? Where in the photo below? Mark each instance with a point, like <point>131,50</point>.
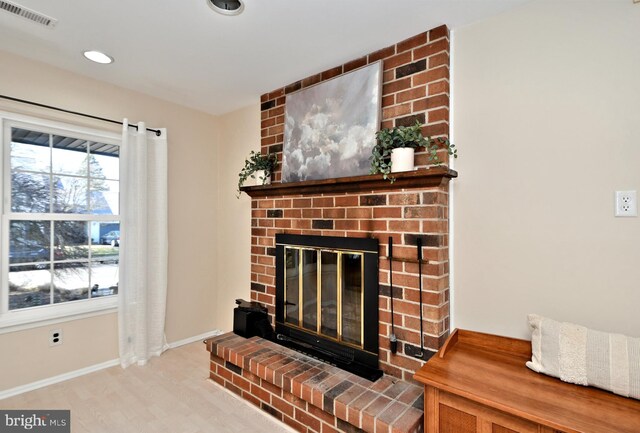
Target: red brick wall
<point>415,86</point>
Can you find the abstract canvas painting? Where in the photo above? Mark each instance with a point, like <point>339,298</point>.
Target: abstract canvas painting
<point>330,127</point>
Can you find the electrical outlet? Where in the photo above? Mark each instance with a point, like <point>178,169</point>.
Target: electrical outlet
<point>55,337</point>
<point>626,204</point>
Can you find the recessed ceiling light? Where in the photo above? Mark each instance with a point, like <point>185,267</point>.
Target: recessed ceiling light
<point>98,57</point>
<point>226,7</point>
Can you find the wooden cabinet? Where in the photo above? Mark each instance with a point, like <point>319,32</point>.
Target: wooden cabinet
<point>478,383</point>
<point>454,414</point>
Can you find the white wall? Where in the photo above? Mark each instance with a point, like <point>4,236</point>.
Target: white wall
<point>27,357</point>
<point>547,120</point>
<point>239,134</point>
<point>193,217</point>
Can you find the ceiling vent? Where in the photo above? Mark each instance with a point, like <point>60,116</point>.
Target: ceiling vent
<point>27,13</point>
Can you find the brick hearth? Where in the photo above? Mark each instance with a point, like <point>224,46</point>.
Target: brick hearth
<point>310,395</point>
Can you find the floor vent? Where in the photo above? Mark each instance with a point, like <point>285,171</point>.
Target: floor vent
<point>29,14</point>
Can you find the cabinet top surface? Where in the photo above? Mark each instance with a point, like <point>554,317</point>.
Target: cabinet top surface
<point>491,370</point>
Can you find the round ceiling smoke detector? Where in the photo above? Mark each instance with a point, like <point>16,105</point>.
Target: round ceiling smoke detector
<point>226,7</point>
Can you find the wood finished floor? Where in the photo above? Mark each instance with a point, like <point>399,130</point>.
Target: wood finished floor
<point>170,394</point>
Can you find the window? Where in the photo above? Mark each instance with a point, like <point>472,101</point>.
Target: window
<point>60,221</point>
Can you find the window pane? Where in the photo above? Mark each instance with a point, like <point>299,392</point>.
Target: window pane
<point>104,162</point>
<point>70,281</point>
<point>29,150</point>
<point>310,290</point>
<point>69,156</point>
<point>105,233</point>
<point>104,278</point>
<point>70,194</point>
<point>30,193</point>
<point>292,285</point>
<point>105,253</point>
<point>28,287</point>
<point>105,197</point>
<point>29,242</point>
<point>71,240</point>
<point>65,260</point>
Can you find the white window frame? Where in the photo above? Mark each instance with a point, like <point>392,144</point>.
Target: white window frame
<point>12,320</point>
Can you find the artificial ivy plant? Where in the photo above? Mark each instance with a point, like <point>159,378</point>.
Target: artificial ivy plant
<point>388,139</point>
<point>256,162</point>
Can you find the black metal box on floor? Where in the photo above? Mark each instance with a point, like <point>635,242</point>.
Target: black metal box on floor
<point>250,319</point>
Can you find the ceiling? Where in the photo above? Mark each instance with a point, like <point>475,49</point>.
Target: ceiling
<point>183,52</point>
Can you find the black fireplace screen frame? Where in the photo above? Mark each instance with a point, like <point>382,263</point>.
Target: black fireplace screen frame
<point>361,361</point>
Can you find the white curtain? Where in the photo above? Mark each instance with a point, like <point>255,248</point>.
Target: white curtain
<point>142,295</point>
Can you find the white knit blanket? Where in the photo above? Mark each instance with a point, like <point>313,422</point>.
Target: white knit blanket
<point>583,356</point>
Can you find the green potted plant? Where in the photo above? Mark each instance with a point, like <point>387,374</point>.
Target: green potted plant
<point>259,167</point>
<point>395,148</point>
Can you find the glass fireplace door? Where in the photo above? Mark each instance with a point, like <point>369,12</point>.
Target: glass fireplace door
<point>329,295</point>
<point>292,286</point>
<point>351,299</point>
<point>310,290</point>
<point>324,292</point>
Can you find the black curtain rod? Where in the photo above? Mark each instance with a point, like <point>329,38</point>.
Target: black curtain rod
<point>157,131</point>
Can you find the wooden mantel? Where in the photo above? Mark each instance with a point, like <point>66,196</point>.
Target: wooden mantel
<point>432,177</point>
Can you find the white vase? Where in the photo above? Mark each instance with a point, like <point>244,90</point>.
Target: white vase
<point>402,159</point>
<point>261,177</point>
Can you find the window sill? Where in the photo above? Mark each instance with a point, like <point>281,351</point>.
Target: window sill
<point>42,316</point>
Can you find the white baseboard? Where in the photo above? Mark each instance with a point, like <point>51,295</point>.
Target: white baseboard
<point>56,379</point>
<point>195,338</point>
<point>92,368</point>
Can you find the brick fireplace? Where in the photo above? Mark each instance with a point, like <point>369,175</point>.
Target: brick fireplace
<point>415,87</point>
<point>404,215</point>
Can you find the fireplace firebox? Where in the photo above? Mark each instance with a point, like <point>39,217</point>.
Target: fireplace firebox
<point>327,299</point>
